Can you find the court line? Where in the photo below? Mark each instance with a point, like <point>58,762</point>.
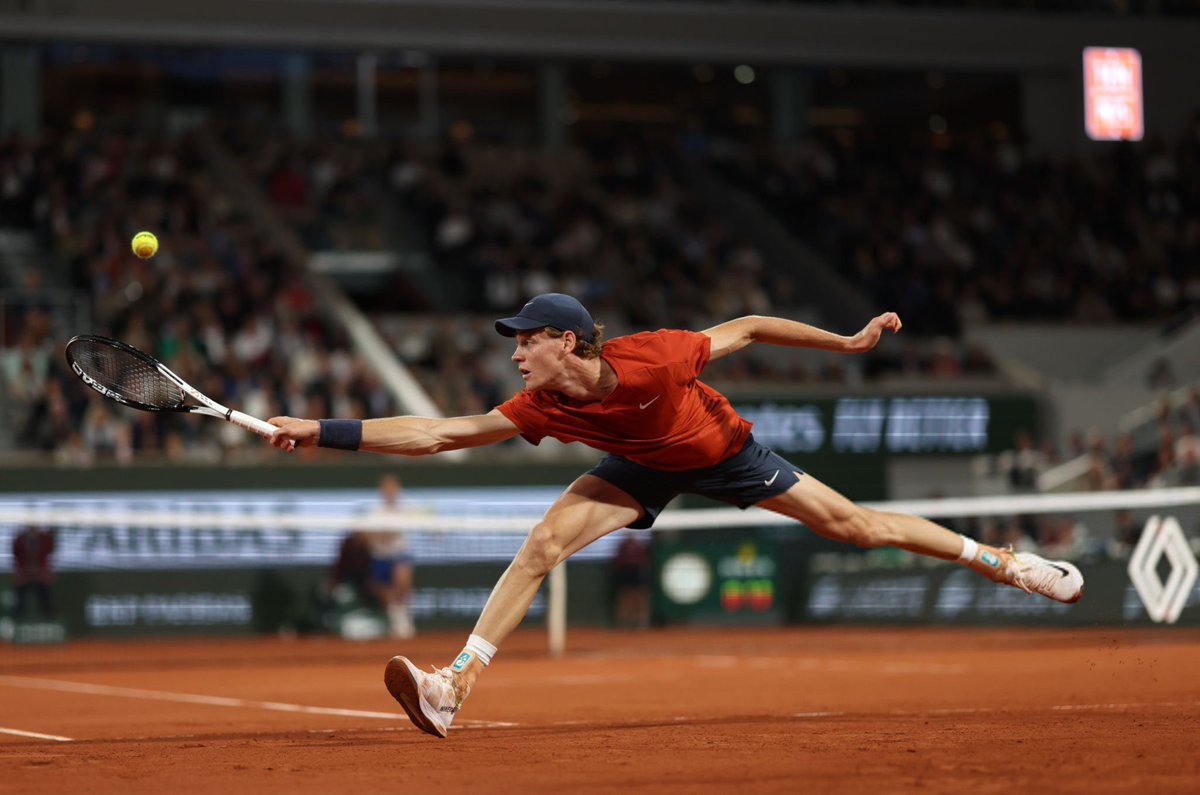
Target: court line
<point>36,735</point>
<point>794,663</point>
<point>990,710</point>
<point>86,688</point>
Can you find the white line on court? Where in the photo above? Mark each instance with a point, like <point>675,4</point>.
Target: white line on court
<point>990,710</point>
<point>794,663</point>
<point>36,735</point>
<point>212,701</point>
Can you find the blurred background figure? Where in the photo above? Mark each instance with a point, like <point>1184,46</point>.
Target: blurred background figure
<point>1126,534</point>
<point>631,588</point>
<point>1022,465</point>
<point>351,580</point>
<point>31,550</point>
<point>391,563</point>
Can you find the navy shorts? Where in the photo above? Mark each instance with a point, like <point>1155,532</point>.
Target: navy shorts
<point>746,478</point>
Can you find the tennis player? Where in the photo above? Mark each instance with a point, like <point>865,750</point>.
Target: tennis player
<point>639,399</point>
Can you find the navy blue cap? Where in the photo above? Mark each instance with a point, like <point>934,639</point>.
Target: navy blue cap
<point>549,309</point>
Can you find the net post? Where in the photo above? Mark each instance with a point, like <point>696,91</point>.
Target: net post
<point>556,612</point>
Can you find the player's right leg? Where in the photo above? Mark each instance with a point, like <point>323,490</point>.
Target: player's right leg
<point>590,508</point>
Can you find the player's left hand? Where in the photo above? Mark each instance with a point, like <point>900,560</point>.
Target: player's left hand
<point>868,338</point>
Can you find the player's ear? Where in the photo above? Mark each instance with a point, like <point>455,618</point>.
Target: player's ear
<point>568,340</point>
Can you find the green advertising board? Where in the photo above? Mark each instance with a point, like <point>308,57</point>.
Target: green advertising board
<point>717,578</point>
<point>206,602</point>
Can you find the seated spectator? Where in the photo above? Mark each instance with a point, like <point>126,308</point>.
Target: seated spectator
<point>1187,456</point>
<point>1126,533</point>
<point>350,577</point>
<point>631,585</point>
<point>31,551</point>
<point>1022,465</point>
<point>25,370</point>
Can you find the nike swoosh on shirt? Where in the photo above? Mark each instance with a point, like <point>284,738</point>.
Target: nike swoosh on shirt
<point>643,406</point>
<point>772,480</point>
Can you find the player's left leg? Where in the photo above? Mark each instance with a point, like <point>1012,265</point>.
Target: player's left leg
<point>829,514</point>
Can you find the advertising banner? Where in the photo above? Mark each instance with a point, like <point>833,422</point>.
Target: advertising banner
<point>244,601</point>
<point>949,594</point>
<point>713,579</point>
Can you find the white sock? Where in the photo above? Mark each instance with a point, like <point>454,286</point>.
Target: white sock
<point>476,649</point>
<point>969,551</point>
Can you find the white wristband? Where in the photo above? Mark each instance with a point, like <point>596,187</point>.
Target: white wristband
<point>969,551</point>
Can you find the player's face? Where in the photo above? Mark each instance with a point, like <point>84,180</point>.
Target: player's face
<point>539,359</point>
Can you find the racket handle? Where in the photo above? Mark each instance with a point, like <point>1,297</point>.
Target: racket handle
<point>252,424</point>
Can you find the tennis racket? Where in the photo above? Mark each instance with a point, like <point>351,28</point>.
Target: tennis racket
<point>124,374</point>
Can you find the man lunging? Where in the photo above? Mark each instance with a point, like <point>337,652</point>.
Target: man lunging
<point>639,399</point>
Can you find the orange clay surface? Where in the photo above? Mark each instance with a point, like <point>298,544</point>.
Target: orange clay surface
<point>675,711</point>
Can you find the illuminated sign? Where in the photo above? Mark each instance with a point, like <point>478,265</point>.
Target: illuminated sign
<point>865,425</point>
<point>1112,93</point>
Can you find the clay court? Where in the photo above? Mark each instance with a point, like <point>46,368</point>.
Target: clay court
<point>819,710</point>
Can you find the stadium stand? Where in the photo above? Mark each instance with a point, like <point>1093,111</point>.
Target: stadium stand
<point>967,230</point>
<point>217,304</point>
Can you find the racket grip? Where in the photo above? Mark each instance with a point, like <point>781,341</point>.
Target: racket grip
<point>252,424</point>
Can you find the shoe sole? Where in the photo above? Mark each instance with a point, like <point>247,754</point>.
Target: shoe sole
<point>399,676</point>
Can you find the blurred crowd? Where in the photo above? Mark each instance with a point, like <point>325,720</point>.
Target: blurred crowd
<point>1159,454</point>
<point>1163,453</point>
<point>948,236</point>
<point>218,304</point>
<point>608,220</point>
<point>983,229</point>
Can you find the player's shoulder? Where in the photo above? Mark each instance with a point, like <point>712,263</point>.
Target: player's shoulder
<point>651,339</point>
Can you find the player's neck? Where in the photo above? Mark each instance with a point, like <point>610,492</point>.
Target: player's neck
<point>587,380</point>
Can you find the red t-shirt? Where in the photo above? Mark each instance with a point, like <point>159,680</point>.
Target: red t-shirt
<point>660,415</point>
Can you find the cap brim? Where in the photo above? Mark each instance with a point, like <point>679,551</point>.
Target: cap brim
<point>511,326</point>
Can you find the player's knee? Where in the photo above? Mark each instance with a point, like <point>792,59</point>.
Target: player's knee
<point>541,550</point>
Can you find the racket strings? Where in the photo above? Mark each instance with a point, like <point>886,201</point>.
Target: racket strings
<point>127,375</point>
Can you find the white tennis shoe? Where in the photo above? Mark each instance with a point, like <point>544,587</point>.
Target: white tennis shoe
<point>1056,579</point>
<point>429,698</point>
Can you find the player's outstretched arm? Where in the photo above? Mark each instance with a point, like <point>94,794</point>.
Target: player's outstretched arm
<point>736,334</point>
<point>406,435</point>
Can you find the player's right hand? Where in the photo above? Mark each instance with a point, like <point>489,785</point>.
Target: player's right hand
<point>292,431</point>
